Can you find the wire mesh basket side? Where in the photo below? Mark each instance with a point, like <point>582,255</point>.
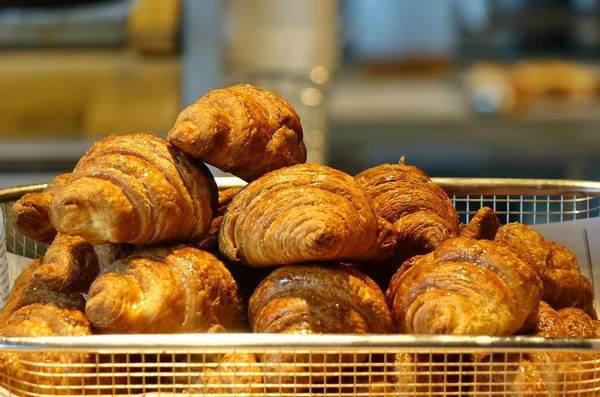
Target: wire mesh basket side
<point>529,209</point>
<point>299,373</point>
<point>17,243</point>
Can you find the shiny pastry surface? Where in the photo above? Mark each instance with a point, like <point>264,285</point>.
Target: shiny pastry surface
<point>556,266</point>
<point>242,129</point>
<point>464,287</point>
<point>136,189</point>
<point>302,213</point>
<point>164,290</point>
<point>419,210</point>
<point>31,213</point>
<point>25,292</point>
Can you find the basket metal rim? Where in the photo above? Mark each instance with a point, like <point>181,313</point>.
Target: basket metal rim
<point>321,342</point>
<point>479,186</point>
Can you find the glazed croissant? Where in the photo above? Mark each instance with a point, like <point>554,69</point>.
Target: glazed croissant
<point>31,213</point>
<point>303,213</point>
<point>25,292</point>
<point>71,263</point>
<point>555,265</point>
<point>315,299</point>
<point>45,372</point>
<point>464,287</point>
<point>236,373</point>
<point>136,189</point>
<point>541,372</point>
<point>242,129</point>
<point>419,210</point>
<point>164,290</point>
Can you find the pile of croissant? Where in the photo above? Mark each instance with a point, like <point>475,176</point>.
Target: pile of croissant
<point>142,241</point>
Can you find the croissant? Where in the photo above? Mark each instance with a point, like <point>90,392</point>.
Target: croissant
<point>303,213</point>
<point>236,373</point>
<point>30,214</point>
<point>71,263</point>
<point>483,226</point>
<point>164,290</point>
<point>585,300</point>
<point>544,372</point>
<point>315,299</point>
<point>25,292</point>
<point>135,189</point>
<point>45,372</point>
<point>210,242</point>
<point>419,210</point>
<point>555,265</point>
<point>464,287</point>
<point>244,130</point>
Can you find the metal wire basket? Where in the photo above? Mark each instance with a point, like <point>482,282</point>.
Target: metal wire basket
<point>331,365</point>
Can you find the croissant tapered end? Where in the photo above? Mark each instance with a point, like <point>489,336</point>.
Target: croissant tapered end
<point>78,212</point>
<point>464,287</point>
<point>70,264</point>
<point>421,213</point>
<point>136,189</point>
<point>31,213</point>
<point>483,226</point>
<point>113,301</point>
<point>242,129</point>
<point>305,212</point>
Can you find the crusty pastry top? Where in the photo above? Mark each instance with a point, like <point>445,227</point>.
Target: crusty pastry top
<point>242,129</point>
<point>306,212</point>
<point>464,287</point>
<point>556,266</point>
<point>136,189</point>
<point>419,210</point>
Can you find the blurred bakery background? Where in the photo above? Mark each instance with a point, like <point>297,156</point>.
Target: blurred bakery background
<point>473,88</point>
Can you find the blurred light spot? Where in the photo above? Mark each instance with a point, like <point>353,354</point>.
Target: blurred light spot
<point>319,75</point>
<point>312,97</point>
<point>588,32</point>
<point>486,99</point>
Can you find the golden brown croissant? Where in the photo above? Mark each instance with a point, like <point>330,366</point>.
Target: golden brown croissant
<point>315,299</point>
<point>419,210</point>
<point>30,214</point>
<point>555,265</point>
<point>235,373</point>
<point>464,287</point>
<point>585,301</point>
<point>210,242</point>
<point>483,226</point>
<point>136,189</point>
<point>242,129</point>
<point>164,290</point>
<point>71,263</point>
<point>303,213</point>
<point>544,372</point>
<point>45,372</point>
<point>25,292</point>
